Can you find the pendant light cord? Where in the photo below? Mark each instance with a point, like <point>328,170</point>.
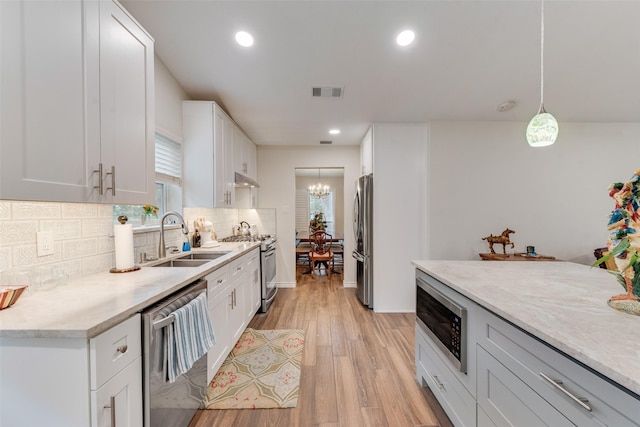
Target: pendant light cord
<point>542,56</point>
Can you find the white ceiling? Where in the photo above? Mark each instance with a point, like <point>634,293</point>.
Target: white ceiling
<point>468,58</point>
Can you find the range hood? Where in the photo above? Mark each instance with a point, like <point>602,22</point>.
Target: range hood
<point>242,181</point>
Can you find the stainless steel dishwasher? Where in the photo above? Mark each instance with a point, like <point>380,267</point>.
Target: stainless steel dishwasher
<point>169,404</point>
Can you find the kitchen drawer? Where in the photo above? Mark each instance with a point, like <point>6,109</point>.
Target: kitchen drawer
<point>238,267</point>
<point>527,358</point>
<point>507,401</point>
<point>432,371</point>
<point>114,349</point>
<point>217,281</point>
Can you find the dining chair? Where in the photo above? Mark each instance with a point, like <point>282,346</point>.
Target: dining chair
<point>321,253</point>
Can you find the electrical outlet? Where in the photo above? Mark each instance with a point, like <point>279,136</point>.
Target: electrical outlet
<point>44,242</point>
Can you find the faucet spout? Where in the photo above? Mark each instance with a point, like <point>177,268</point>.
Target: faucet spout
<point>162,250</point>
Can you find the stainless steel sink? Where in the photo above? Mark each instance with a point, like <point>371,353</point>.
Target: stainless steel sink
<point>182,263</point>
<point>204,255</point>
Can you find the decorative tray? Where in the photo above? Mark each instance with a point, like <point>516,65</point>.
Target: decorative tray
<point>10,294</point>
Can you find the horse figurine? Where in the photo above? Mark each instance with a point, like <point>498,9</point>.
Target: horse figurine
<point>502,239</point>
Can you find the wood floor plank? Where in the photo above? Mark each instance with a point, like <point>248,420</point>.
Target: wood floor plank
<point>325,408</point>
<point>310,343</point>
<point>349,410</point>
<point>365,369</point>
<point>358,366</point>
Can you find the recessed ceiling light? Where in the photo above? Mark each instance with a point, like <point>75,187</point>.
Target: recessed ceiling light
<point>244,39</point>
<point>405,38</point>
<point>334,131</point>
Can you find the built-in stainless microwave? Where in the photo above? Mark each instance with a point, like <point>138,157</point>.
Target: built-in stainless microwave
<point>443,320</point>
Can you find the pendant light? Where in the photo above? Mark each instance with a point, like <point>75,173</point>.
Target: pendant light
<point>319,191</point>
<point>543,127</point>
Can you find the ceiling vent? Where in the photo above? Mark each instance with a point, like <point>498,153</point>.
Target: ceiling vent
<point>326,142</point>
<point>327,92</point>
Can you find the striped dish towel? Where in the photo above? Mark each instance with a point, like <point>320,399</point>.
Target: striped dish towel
<point>189,337</point>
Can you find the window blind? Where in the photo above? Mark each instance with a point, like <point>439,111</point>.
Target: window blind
<point>168,160</point>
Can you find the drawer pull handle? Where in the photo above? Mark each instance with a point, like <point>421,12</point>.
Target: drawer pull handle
<point>220,281</point>
<point>582,401</point>
<point>122,349</point>
<point>112,406</point>
<point>436,380</point>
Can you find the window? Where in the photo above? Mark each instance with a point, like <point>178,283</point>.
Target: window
<point>168,174</point>
<point>168,181</point>
<point>326,207</point>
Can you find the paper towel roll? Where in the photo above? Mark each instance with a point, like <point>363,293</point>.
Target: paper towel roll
<point>123,236</point>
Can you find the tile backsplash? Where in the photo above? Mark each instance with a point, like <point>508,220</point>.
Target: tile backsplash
<point>83,241</point>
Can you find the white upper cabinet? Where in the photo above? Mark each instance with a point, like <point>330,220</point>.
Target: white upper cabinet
<point>208,155</point>
<point>77,92</point>
<point>366,153</point>
<point>127,107</point>
<point>244,154</point>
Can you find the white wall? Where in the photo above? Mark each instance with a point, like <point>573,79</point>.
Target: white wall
<point>399,163</point>
<point>276,175</point>
<point>484,178</point>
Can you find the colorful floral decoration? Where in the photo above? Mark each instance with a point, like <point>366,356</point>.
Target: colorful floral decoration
<point>151,210</point>
<point>624,243</point>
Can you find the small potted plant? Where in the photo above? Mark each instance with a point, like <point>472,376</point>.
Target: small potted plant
<point>148,211</point>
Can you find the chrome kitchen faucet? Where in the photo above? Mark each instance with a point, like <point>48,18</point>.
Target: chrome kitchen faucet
<point>162,251</point>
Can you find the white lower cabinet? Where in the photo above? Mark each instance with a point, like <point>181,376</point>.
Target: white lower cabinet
<point>231,302</point>
<point>433,372</point>
<point>119,401</point>
<point>116,375</point>
<point>254,291</point>
<point>218,308</point>
<point>73,381</point>
<point>516,379</point>
<point>521,376</point>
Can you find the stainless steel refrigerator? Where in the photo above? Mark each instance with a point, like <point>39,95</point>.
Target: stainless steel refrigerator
<point>363,232</point>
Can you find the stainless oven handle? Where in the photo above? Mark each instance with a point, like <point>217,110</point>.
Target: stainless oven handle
<point>270,252</point>
<point>272,296</point>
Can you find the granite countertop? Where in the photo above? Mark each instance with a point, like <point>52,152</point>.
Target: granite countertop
<point>87,306</point>
<point>562,303</point>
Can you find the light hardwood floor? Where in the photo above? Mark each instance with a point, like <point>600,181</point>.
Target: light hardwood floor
<point>358,367</point>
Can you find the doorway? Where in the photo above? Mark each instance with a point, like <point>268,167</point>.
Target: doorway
<point>325,210</point>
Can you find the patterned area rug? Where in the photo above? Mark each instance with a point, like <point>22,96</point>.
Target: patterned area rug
<point>262,371</point>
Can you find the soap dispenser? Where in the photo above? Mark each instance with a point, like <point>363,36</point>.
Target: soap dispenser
<point>186,246</point>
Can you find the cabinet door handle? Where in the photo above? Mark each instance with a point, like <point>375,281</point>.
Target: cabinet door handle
<point>122,349</point>
<point>113,181</point>
<point>112,407</point>
<point>582,401</point>
<point>231,300</point>
<point>234,299</point>
<point>99,186</point>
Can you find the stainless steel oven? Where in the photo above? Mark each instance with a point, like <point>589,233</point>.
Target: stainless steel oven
<point>268,270</point>
<point>443,320</point>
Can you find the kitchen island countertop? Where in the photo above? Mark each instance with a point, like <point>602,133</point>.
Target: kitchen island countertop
<point>89,305</point>
<point>561,303</point>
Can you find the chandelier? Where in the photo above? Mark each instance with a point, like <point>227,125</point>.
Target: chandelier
<point>319,191</point>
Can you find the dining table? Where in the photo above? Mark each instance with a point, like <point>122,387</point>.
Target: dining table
<point>303,247</point>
